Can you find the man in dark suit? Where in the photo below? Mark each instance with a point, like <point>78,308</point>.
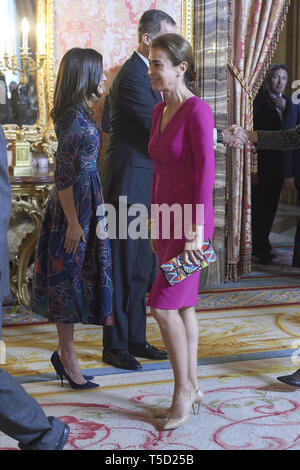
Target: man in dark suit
<point>272,111</point>
<point>127,171</point>
<point>292,182</point>
<point>21,417</point>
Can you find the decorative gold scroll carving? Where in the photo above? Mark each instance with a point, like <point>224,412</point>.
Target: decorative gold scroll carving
<point>188,13</point>
<point>28,199</point>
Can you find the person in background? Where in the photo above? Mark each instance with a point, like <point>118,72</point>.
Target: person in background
<point>21,417</point>
<point>272,111</point>
<point>282,140</point>
<point>4,109</point>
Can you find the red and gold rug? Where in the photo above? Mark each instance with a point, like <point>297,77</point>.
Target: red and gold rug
<point>245,408</point>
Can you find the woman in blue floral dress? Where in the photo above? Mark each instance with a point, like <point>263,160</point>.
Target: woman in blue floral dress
<point>72,275</point>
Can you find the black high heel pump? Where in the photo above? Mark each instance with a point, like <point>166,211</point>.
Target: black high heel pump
<point>56,357</point>
<point>61,373</point>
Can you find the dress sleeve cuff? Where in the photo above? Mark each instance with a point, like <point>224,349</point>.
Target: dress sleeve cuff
<point>215,137</point>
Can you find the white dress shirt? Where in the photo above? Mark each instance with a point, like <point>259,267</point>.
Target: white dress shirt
<point>143,58</point>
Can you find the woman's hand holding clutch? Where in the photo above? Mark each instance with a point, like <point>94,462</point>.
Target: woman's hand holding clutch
<point>192,251</point>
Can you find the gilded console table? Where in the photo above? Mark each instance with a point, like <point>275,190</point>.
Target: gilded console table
<point>29,196</point>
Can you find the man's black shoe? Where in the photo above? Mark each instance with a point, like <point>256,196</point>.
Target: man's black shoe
<point>293,379</point>
<point>120,359</point>
<point>63,438</point>
<point>148,351</point>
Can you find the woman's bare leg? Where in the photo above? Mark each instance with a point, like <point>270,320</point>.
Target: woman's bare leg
<point>189,318</point>
<point>174,336</point>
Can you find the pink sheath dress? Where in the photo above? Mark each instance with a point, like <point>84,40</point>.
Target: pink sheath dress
<point>183,155</point>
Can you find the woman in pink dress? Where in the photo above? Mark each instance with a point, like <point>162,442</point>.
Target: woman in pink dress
<point>181,146</point>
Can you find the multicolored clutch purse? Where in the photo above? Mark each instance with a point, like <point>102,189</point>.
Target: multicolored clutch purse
<point>176,270</point>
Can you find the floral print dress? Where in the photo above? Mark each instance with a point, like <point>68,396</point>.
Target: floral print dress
<point>72,288</point>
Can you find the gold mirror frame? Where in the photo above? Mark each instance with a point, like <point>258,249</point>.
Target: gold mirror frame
<point>188,14</point>
<point>41,134</point>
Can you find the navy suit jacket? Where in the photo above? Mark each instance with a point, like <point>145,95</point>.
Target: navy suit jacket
<point>5,205</point>
<point>127,169</point>
<point>266,117</point>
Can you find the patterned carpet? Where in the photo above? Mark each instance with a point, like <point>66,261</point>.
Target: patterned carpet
<point>223,335</point>
<point>245,408</point>
<point>249,335</point>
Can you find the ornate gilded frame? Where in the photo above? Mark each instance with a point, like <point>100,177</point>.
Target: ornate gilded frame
<point>41,135</point>
<point>188,16</point>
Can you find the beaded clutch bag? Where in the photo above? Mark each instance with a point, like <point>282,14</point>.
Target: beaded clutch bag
<point>176,270</point>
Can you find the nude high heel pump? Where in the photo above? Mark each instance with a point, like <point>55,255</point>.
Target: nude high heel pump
<point>196,403</point>
<point>174,423</point>
<point>162,413</point>
<point>196,399</point>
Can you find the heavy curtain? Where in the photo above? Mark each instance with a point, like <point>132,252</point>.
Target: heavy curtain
<point>254,29</point>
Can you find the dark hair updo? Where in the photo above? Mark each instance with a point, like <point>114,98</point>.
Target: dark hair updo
<point>179,50</point>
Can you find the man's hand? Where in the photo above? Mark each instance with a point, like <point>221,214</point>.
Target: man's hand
<point>289,183</point>
<point>252,136</point>
<point>279,102</point>
<point>235,136</point>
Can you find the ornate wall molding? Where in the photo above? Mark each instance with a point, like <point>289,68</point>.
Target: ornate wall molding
<point>49,143</point>
<point>29,197</point>
<point>40,134</point>
<point>188,20</point>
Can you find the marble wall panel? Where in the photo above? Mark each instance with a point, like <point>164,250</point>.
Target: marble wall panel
<point>211,51</point>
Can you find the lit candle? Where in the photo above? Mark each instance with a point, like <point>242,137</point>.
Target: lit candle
<point>6,34</point>
<point>25,30</point>
<point>9,42</point>
<point>41,38</point>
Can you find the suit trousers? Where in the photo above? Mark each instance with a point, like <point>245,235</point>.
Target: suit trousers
<point>22,418</point>
<point>265,199</point>
<point>132,271</point>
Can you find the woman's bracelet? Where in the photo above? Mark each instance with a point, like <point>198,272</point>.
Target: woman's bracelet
<point>151,223</point>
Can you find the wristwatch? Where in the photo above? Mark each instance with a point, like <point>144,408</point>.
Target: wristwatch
<point>220,136</point>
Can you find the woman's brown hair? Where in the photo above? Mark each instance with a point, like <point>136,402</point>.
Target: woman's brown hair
<point>179,50</point>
